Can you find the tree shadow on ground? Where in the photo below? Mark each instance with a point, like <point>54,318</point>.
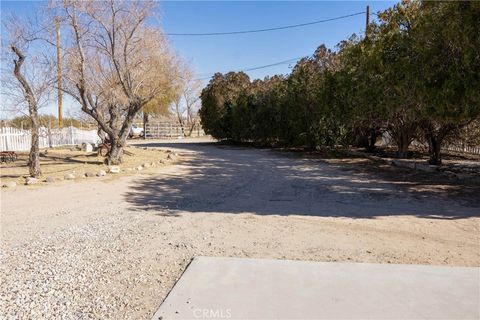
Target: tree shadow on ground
<point>71,159</point>
<point>244,180</point>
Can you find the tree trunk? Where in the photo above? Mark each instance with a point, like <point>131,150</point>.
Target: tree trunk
<point>434,150</point>
<point>361,140</point>
<point>192,127</point>
<point>435,134</point>
<point>101,134</point>
<point>366,138</point>
<point>403,128</point>
<point>115,154</point>
<point>119,138</point>
<point>374,133</point>
<point>34,156</point>
<point>145,122</point>
<point>403,134</point>
<point>403,141</point>
<point>402,151</point>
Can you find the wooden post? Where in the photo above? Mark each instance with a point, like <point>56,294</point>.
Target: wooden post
<point>49,134</point>
<point>367,22</point>
<point>59,75</point>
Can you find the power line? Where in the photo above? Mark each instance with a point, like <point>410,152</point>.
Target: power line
<point>259,67</point>
<point>267,29</point>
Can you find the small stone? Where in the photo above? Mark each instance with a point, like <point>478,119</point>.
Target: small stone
<point>49,179</point>
<point>87,147</point>
<point>31,180</point>
<point>9,184</point>
<point>146,165</point>
<point>69,176</point>
<point>101,173</point>
<point>171,157</point>
<point>114,169</point>
<point>89,174</point>
<point>139,168</point>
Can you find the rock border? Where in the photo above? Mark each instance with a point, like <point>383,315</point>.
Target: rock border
<point>419,166</point>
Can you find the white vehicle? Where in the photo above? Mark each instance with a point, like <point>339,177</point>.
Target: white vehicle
<point>135,131</point>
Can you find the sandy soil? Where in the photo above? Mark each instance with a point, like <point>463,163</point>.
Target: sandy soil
<point>113,250</point>
<point>57,162</point>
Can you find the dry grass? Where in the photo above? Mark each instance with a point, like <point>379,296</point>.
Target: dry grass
<point>58,162</point>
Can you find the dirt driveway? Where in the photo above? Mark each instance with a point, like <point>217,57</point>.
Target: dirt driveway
<point>96,250</point>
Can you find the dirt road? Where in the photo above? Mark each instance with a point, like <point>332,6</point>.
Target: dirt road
<point>113,250</point>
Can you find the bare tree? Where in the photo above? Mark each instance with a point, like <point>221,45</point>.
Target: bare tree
<point>191,97</point>
<point>187,100</point>
<point>160,105</point>
<point>115,63</point>
<point>34,156</point>
<point>32,84</point>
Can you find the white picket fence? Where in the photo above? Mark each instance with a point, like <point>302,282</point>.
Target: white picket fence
<point>12,139</point>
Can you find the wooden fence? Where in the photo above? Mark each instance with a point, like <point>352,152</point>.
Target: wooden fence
<point>463,149</point>
<point>12,139</point>
<point>170,130</point>
<point>386,140</point>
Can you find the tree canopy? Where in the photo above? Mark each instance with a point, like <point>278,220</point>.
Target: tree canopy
<point>414,75</point>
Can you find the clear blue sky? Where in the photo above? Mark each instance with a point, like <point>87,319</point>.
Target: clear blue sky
<point>235,52</point>
<point>209,54</point>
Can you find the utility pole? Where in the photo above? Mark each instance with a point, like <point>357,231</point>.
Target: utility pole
<point>59,75</point>
<point>367,22</point>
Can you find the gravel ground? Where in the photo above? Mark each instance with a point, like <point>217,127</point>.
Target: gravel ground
<point>113,250</point>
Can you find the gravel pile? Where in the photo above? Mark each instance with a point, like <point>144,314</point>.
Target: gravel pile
<point>83,272</point>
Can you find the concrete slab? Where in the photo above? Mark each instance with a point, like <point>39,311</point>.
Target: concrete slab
<point>235,288</point>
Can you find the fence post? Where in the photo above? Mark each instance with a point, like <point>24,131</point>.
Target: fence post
<point>4,130</point>
<point>71,134</point>
<point>49,134</point>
